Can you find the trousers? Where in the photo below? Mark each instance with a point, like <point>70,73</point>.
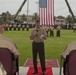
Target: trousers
<point>38,48</point>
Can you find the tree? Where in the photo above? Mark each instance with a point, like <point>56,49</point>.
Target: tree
<point>35,17</point>
<point>6,16</point>
<point>69,19</point>
<point>61,17</point>
<point>24,18</point>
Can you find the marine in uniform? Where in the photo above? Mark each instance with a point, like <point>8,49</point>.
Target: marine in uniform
<point>6,27</point>
<point>19,26</point>
<point>27,27</point>
<point>74,28</point>
<point>23,27</point>
<point>71,46</point>
<point>14,27</point>
<point>7,43</point>
<point>10,27</point>
<point>38,35</point>
<point>58,31</point>
<point>51,31</point>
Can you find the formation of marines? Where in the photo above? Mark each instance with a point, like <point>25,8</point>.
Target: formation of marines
<point>15,27</point>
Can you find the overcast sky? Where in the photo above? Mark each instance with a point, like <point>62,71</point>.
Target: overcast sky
<point>60,7</point>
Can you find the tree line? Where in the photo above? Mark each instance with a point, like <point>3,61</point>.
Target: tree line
<point>7,17</point>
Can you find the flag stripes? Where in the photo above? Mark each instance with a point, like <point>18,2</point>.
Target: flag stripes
<point>46,12</point>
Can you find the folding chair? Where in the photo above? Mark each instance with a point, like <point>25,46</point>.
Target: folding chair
<point>7,58</point>
<point>71,65</point>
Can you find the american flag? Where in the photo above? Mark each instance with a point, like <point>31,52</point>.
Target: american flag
<point>46,12</point>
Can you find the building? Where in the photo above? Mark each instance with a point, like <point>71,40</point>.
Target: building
<point>59,21</point>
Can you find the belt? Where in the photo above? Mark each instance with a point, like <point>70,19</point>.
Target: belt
<point>37,42</point>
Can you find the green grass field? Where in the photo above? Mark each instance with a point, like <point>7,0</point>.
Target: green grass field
<point>54,46</point>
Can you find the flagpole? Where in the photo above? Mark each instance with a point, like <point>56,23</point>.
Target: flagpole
<point>27,10</point>
<point>53,13</point>
<point>37,2</point>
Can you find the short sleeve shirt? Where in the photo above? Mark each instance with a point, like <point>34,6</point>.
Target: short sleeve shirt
<point>38,33</point>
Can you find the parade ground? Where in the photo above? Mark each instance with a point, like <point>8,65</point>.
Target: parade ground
<point>54,46</point>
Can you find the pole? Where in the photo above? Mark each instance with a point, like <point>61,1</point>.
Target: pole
<point>37,7</point>
<point>70,10</point>
<point>60,65</point>
<point>20,8</point>
<point>27,10</point>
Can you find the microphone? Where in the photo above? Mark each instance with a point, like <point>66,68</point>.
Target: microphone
<point>37,31</point>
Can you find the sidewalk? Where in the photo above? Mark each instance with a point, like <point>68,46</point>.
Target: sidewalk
<point>23,70</point>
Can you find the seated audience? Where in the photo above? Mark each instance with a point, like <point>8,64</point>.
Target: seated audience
<point>8,43</point>
<point>71,46</point>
